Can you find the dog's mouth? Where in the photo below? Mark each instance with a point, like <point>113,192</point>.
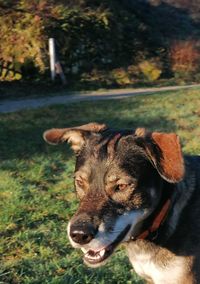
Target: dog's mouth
<point>95,257</point>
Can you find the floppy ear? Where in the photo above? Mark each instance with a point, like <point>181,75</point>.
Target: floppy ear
<point>164,152</point>
<point>76,136</point>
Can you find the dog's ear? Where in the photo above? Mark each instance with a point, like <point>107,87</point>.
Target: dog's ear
<point>76,136</point>
<point>164,152</point>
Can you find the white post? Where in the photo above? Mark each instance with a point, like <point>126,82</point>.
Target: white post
<point>52,56</point>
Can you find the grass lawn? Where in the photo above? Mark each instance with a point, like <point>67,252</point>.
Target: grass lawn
<point>36,188</point>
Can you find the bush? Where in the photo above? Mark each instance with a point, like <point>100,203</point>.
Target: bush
<point>185,58</point>
<point>22,41</point>
<point>150,70</point>
<point>121,76</point>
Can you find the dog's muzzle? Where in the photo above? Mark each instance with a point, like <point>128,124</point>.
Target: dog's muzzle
<point>96,257</point>
<point>98,243</point>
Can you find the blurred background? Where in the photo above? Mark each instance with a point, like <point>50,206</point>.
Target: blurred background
<point>107,43</point>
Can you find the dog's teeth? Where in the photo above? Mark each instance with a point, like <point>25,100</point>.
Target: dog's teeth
<point>102,252</point>
<point>93,256</point>
<point>97,256</point>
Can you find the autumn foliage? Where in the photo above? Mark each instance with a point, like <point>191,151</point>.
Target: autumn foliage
<point>105,42</point>
<point>185,56</point>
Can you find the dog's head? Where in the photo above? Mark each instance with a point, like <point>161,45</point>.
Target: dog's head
<point>119,178</point>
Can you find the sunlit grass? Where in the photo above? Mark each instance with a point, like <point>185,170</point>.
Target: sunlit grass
<point>36,188</point>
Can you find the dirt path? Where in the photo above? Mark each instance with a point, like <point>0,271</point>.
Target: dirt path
<point>21,104</point>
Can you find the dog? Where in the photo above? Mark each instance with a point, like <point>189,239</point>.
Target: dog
<point>135,187</point>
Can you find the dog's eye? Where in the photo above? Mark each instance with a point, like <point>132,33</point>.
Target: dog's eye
<point>79,182</point>
<point>121,187</point>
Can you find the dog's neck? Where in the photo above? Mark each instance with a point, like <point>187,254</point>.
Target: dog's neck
<point>162,222</point>
<point>152,225</point>
<point>179,195</point>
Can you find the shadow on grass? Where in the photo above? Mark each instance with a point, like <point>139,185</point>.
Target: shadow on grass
<point>21,133</point>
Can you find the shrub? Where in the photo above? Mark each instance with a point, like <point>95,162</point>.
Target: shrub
<point>150,70</point>
<point>185,58</point>
<point>121,76</point>
<point>22,40</point>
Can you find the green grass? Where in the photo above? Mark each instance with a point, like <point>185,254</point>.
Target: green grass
<point>36,188</point>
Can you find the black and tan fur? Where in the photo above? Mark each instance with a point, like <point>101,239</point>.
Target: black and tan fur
<point>122,177</point>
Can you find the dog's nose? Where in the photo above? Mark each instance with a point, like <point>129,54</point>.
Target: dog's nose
<point>82,234</point>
